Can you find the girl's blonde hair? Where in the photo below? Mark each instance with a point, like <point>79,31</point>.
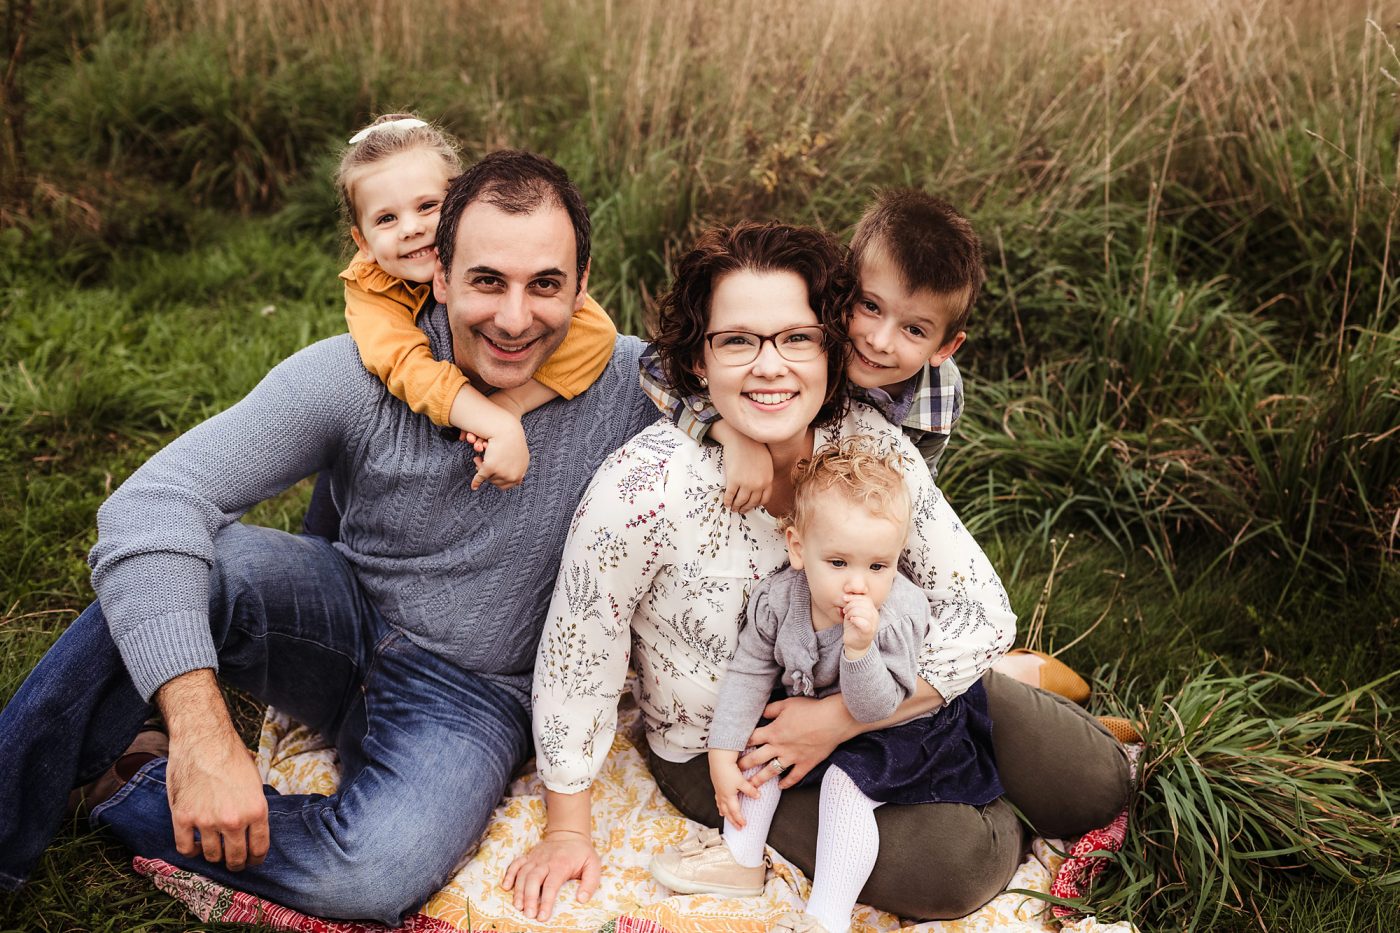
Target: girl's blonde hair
<point>859,470</point>
<point>377,142</point>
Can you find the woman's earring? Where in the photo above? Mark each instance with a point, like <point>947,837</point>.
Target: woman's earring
<point>704,383</point>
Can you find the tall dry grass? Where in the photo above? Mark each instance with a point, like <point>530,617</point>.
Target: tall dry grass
<point>1146,176</point>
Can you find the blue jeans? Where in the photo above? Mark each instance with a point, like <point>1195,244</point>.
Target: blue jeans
<point>426,749</point>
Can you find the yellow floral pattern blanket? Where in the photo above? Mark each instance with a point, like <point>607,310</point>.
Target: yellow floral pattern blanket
<point>632,821</point>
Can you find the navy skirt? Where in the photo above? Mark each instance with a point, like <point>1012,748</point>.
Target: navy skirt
<point>943,758</point>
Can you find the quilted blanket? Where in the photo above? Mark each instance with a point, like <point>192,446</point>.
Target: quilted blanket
<point>632,821</point>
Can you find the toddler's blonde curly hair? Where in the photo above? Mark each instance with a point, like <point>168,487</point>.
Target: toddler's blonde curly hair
<point>857,468</point>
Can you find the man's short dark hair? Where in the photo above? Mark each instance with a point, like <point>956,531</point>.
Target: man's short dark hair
<point>819,259</point>
<point>931,244</point>
<point>517,182</point>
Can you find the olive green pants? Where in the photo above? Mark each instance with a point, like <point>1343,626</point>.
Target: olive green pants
<point>1060,768</point>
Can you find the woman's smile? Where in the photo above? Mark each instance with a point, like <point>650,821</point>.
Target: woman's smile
<point>770,399</point>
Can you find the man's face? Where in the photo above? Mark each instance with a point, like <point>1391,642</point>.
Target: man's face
<point>512,291</point>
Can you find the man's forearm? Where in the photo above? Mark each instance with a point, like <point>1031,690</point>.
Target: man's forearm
<point>194,710</point>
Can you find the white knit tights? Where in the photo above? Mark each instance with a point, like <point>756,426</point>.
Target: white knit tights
<point>848,840</point>
<point>746,845</point>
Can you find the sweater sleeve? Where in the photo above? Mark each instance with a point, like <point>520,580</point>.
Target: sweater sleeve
<point>749,678</point>
<point>155,543</point>
<point>885,676</point>
<point>586,351</point>
<point>379,312</point>
<point>621,535</point>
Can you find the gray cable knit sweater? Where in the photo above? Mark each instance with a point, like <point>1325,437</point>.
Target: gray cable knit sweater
<point>467,575</point>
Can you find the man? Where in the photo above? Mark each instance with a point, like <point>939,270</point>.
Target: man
<point>409,643</point>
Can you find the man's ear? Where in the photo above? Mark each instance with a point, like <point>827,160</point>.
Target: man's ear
<point>950,346</point>
<point>794,548</point>
<point>440,282</point>
<point>583,287</point>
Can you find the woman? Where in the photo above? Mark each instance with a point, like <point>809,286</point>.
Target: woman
<point>656,573</point>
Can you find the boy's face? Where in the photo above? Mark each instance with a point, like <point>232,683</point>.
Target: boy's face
<point>894,331</point>
<point>846,550</point>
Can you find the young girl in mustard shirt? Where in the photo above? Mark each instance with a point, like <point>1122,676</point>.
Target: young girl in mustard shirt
<point>391,179</point>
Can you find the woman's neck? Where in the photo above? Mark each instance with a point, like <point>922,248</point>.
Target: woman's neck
<point>785,457</point>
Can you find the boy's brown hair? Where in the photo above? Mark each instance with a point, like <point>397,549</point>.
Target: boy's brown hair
<point>858,470</point>
<point>931,244</point>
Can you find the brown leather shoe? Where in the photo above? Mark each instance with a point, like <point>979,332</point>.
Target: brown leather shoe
<point>1124,731</point>
<point>150,743</point>
<point>1057,677</point>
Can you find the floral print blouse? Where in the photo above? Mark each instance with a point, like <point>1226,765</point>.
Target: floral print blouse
<point>656,574</point>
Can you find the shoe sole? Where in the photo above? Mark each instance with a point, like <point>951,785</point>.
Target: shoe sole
<point>685,886</point>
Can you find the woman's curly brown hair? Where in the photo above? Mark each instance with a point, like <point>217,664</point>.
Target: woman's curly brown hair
<point>817,258</point>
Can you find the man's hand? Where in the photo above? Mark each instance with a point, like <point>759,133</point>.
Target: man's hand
<point>748,469</point>
<point>803,733</point>
<point>537,876</point>
<point>729,782</point>
<point>861,620</point>
<point>212,783</point>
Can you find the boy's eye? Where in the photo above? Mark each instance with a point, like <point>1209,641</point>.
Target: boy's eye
<point>877,567</point>
<point>383,219</point>
<point>916,332</point>
<point>429,206</point>
<point>838,562</point>
<point>869,307</point>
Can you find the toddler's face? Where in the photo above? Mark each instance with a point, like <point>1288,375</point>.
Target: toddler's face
<point>396,212</point>
<point>847,550</point>
<point>894,331</point>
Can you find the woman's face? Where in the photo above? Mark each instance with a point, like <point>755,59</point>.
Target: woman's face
<point>771,400</point>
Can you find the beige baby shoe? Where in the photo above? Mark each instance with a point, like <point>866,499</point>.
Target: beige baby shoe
<point>703,865</point>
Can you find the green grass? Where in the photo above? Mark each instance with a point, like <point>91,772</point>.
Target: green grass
<point>1183,379</point>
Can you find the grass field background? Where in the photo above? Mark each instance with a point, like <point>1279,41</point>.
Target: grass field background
<point>1182,443</point>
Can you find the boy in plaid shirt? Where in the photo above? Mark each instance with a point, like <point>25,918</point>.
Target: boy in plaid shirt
<point>920,268</point>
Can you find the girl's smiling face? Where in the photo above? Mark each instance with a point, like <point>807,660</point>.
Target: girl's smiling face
<point>771,400</point>
<point>396,212</point>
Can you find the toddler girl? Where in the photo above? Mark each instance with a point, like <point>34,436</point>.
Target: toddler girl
<point>840,618</point>
<point>392,179</point>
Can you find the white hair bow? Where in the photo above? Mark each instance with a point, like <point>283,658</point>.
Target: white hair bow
<point>407,123</point>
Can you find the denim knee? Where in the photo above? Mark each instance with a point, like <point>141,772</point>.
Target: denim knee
<point>383,867</point>
<point>385,882</point>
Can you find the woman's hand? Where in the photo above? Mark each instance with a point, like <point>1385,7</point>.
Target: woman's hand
<point>537,876</point>
<point>802,734</point>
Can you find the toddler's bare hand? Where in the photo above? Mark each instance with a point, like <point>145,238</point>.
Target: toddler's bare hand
<point>861,620</point>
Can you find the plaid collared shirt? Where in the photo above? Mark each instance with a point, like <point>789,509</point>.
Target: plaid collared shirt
<point>927,409</point>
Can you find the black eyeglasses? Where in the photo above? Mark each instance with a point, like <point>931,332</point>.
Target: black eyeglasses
<point>740,348</point>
